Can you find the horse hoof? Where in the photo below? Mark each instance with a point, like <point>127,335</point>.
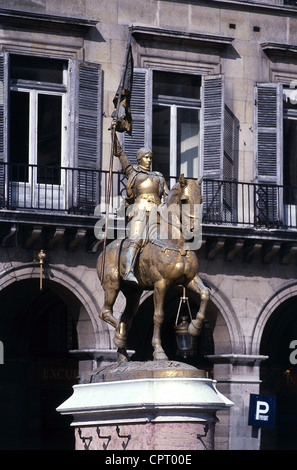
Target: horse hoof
<point>194,328</point>
<point>160,356</point>
<point>122,355</point>
<point>120,336</point>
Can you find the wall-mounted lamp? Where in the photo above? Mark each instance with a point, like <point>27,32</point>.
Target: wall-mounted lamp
<point>40,257</point>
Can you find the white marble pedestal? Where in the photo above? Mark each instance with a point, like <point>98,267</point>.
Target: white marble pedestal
<point>155,405</point>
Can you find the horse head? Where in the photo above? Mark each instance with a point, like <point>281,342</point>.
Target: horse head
<point>184,200</point>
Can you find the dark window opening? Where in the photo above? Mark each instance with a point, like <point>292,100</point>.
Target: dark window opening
<point>19,135</point>
<point>176,85</point>
<point>289,150</point>
<point>37,69</point>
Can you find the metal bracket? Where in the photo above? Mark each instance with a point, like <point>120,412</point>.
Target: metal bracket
<point>84,439</point>
<point>199,436</point>
<point>128,437</point>
<point>104,445</point>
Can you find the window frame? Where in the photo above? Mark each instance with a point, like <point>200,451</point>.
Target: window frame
<point>82,128</point>
<point>174,103</point>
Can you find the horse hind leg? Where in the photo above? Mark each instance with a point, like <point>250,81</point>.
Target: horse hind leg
<point>197,285</point>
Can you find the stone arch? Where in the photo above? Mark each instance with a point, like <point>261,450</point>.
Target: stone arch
<point>71,289</point>
<point>283,293</point>
<point>226,324</point>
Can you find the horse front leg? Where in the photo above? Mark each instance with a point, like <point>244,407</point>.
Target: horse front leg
<point>159,295</point>
<point>106,313</point>
<point>132,304</point>
<point>197,285</point>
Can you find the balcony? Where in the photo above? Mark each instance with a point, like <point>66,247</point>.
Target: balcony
<point>74,199</point>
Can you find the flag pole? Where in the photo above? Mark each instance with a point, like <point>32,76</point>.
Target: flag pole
<point>113,134</point>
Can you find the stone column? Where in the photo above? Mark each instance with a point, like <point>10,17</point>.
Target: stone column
<point>237,376</point>
<point>154,405</point>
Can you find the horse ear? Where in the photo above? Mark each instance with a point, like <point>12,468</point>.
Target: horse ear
<point>199,180</point>
<point>182,181</point>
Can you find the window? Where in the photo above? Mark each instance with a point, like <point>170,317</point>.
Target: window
<point>176,129</point>
<point>184,119</point>
<point>36,138</point>
<point>289,147</point>
<point>275,144</point>
<point>50,141</point>
<point>36,121</point>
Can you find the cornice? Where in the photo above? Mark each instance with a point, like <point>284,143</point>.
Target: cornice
<point>247,4</point>
<point>185,37</point>
<point>30,20</point>
<point>277,49</point>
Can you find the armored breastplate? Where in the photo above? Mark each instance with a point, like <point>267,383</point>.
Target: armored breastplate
<point>147,188</point>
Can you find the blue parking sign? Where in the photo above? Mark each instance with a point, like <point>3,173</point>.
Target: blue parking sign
<point>262,410</point>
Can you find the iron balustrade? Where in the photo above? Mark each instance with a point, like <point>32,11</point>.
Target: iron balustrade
<point>26,187</point>
<point>258,205</point>
<point>83,190</point>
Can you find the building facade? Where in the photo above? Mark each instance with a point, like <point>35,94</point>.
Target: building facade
<point>214,94</point>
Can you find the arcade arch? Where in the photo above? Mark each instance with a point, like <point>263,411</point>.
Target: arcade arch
<point>222,330</point>
<point>38,328</point>
<point>275,329</point>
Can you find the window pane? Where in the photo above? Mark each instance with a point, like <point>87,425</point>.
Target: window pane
<point>290,160</point>
<point>177,85</point>
<point>49,138</point>
<point>19,135</point>
<point>161,140</point>
<point>37,68</point>
<point>188,142</point>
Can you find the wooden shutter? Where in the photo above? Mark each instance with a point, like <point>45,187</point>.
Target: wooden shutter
<point>268,164</point>
<point>141,111</point>
<point>88,132</point>
<point>212,125</point>
<point>230,165</point>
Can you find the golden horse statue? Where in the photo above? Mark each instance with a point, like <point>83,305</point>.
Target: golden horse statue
<point>161,264</point>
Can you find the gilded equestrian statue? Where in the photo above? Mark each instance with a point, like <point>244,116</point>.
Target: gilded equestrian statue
<point>159,252</point>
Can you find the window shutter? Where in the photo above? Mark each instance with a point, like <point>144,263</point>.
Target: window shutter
<point>212,124</point>
<point>88,132</point>
<point>268,165</point>
<point>4,67</point>
<point>141,111</point>
<point>230,162</point>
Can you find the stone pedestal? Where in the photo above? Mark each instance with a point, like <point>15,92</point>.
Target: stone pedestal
<point>155,405</point>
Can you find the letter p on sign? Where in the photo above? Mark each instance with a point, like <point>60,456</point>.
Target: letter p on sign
<point>262,410</point>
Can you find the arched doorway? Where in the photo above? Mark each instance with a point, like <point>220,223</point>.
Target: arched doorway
<point>38,328</point>
<point>279,376</point>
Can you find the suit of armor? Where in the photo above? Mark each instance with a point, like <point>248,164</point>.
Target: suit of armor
<point>145,191</point>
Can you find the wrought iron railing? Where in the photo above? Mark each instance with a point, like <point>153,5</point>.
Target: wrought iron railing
<point>258,205</point>
<point>83,191</point>
<point>57,189</point>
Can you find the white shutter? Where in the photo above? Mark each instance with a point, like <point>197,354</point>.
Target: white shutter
<point>268,145</point>
<point>88,115</point>
<point>268,132</point>
<point>141,111</point>
<point>212,125</point>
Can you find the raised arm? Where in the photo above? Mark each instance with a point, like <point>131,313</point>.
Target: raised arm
<point>119,152</point>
